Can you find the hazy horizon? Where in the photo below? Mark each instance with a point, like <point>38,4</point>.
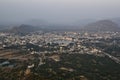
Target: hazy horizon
<point>58,11</point>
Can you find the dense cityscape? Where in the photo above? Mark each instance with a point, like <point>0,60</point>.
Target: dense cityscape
<point>42,54</point>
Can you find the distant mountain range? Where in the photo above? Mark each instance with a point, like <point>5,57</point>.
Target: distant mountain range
<point>35,25</point>
<point>2,27</point>
<point>36,22</point>
<point>23,29</point>
<point>116,20</point>
<point>102,25</point>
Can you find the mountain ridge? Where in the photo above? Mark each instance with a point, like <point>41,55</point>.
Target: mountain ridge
<point>102,25</point>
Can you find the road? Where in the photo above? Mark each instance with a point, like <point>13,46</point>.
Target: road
<point>112,57</point>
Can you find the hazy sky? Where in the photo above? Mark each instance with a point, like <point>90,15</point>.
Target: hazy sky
<point>58,10</point>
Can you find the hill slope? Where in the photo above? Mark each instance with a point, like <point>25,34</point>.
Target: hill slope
<point>23,29</point>
<point>102,25</point>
